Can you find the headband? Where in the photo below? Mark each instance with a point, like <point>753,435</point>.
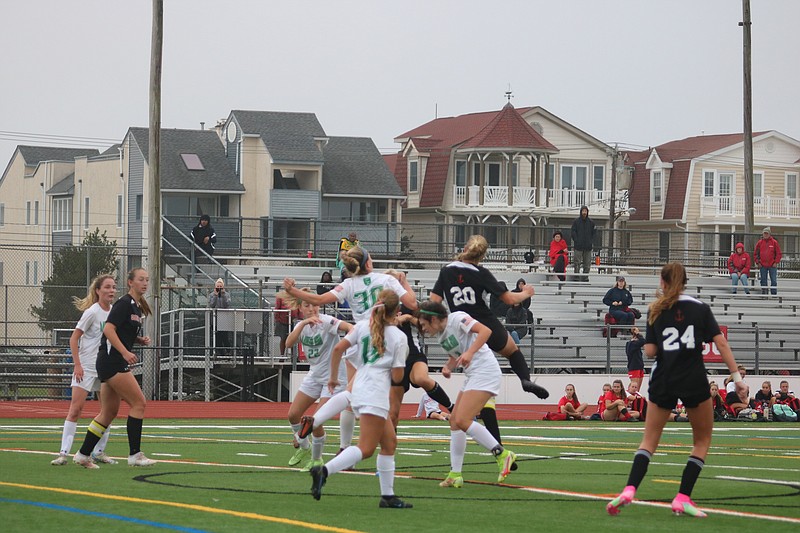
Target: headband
<point>364,259</point>
<point>431,313</point>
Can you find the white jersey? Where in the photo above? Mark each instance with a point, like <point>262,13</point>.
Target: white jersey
<point>91,324</point>
<point>373,379</point>
<point>361,292</point>
<point>457,338</point>
<point>427,405</point>
<point>318,341</point>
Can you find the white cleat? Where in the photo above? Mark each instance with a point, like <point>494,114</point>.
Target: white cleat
<point>140,460</point>
<point>61,460</point>
<point>101,457</point>
<point>84,461</point>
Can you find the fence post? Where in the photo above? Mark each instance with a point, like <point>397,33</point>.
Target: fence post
<point>608,349</point>
<point>757,346</point>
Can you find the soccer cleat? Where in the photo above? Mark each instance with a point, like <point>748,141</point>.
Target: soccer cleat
<point>682,504</point>
<point>394,503</point>
<point>307,427</point>
<point>61,460</point>
<point>624,498</point>
<point>504,462</point>
<point>311,464</point>
<point>532,387</point>
<point>139,459</point>
<point>453,479</point>
<point>319,475</point>
<point>101,457</point>
<point>300,455</point>
<point>84,461</point>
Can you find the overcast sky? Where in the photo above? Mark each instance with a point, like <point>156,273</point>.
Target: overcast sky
<point>639,72</point>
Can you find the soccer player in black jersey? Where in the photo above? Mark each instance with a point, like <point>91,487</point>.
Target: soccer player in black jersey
<point>463,283</point>
<point>677,327</point>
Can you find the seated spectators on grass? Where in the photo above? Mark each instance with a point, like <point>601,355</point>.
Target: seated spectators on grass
<point>730,386</point>
<point>717,401</point>
<point>570,405</point>
<point>601,403</point>
<point>787,397</point>
<point>765,397</point>
<point>616,403</point>
<point>637,404</point>
<point>737,401</point>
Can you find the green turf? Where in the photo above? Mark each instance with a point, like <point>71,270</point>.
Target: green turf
<point>565,463</point>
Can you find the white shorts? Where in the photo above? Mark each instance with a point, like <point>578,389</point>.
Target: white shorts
<point>487,380</point>
<point>370,410</point>
<point>89,383</point>
<point>315,388</point>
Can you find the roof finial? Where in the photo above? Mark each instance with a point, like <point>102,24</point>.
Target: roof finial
<point>509,94</point>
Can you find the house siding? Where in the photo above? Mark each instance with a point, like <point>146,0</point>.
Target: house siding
<point>135,187</point>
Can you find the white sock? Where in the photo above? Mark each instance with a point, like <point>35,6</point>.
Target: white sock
<point>347,426</point>
<point>67,436</point>
<point>458,448</point>
<point>317,444</point>
<point>335,405</point>
<point>101,445</point>
<point>386,474</point>
<point>349,457</point>
<point>302,442</point>
<point>482,436</point>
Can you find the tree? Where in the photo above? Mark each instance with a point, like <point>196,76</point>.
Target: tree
<point>72,267</point>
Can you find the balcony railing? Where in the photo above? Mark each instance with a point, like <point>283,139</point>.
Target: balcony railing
<point>763,207</point>
<point>527,197</point>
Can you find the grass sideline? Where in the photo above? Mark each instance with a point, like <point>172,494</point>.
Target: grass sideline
<point>231,475</point>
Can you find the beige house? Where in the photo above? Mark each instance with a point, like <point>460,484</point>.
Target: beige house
<point>691,192</point>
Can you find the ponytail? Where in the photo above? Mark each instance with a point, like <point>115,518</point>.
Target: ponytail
<point>382,314</point>
<point>674,279</point>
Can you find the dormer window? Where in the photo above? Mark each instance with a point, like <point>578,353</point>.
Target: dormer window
<point>656,185</point>
<point>413,176</point>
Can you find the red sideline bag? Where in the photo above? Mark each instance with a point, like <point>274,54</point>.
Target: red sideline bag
<point>555,416</point>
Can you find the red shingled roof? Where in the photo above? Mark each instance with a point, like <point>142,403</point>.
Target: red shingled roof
<point>509,130</point>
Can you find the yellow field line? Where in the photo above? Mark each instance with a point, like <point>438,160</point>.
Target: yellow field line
<point>190,506</point>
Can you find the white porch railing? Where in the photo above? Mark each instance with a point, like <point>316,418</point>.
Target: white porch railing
<point>527,197</point>
<point>763,207</point>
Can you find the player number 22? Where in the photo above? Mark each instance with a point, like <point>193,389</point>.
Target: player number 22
<point>672,342</point>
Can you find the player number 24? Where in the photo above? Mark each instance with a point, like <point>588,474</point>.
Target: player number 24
<point>672,341</point>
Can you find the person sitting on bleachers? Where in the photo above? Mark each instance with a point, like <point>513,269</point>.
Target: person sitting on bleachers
<point>619,299</point>
<point>517,322</point>
<point>739,268</point>
<point>787,397</point>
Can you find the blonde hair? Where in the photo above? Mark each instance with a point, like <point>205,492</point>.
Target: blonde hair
<point>382,314</point>
<point>91,298</point>
<point>355,261</point>
<point>674,277</point>
<point>293,302</point>
<point>141,302</point>
<point>474,250</point>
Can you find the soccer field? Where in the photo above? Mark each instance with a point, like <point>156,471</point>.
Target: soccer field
<point>232,475</point>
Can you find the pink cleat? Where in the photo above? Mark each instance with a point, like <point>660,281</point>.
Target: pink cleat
<point>682,504</point>
<point>625,498</point>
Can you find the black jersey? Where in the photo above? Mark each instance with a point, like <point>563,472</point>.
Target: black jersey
<point>127,317</point>
<point>679,334</point>
<point>463,286</point>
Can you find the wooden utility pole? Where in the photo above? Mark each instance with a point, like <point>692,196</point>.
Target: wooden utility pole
<point>612,210</point>
<point>748,130</point>
<point>151,359</point>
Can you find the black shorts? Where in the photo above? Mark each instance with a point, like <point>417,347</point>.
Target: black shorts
<point>109,365</point>
<point>499,337</point>
<point>411,360</point>
<point>281,330</point>
<point>690,401</point>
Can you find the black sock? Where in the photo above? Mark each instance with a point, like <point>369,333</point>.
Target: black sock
<point>641,460</point>
<point>134,434</point>
<point>520,366</point>
<point>438,394</point>
<point>690,474</point>
<point>93,436</point>
<point>489,419</point>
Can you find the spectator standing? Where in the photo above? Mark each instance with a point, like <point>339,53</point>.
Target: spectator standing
<point>204,237</point>
<point>583,234</point>
<point>767,255</point>
<point>559,255</point>
<point>739,267</point>
<point>633,350</point>
<point>285,313</point>
<point>345,244</point>
<point>618,299</point>
<point>221,299</point>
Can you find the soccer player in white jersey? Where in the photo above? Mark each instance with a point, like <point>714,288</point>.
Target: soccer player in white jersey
<point>677,327</point>
<point>360,290</point>
<point>380,360</point>
<point>464,340</point>
<point>318,334</point>
<point>83,343</point>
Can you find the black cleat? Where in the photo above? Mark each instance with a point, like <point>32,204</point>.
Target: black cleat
<point>514,466</point>
<point>394,503</point>
<point>532,387</point>
<point>307,426</point>
<point>319,475</point>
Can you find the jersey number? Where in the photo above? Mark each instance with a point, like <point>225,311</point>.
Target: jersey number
<point>671,341</point>
<point>366,299</point>
<point>463,296</point>
<point>368,352</point>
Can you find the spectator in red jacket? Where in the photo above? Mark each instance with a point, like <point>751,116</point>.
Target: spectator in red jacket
<point>559,257</point>
<point>767,256</point>
<point>739,267</point>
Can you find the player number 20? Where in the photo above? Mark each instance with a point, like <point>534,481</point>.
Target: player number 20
<point>463,296</point>
<point>673,339</point>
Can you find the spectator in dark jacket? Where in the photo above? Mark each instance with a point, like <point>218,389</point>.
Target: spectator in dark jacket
<point>204,237</point>
<point>526,303</point>
<point>633,350</point>
<point>767,256</point>
<point>739,267</point>
<point>618,299</point>
<point>583,234</point>
<point>517,322</point>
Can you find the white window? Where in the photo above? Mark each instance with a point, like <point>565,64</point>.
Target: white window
<point>413,176</point>
<point>62,214</point>
<point>119,210</point>
<point>139,207</point>
<point>758,186</point>
<point>461,173</point>
<point>655,186</point>
<point>86,212</point>
<point>36,212</point>
<point>791,185</point>
<point>27,213</point>
<point>709,177</point>
<point>574,177</point>
<point>599,177</point>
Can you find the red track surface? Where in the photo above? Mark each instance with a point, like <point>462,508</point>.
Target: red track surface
<point>255,410</point>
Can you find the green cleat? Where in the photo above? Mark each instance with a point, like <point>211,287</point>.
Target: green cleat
<point>504,462</point>
<point>300,455</point>
<point>311,464</point>
<point>453,479</point>
<point>684,505</point>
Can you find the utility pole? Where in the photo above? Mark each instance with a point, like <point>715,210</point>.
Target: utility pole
<point>749,224</point>
<point>151,361</point>
<point>612,210</point>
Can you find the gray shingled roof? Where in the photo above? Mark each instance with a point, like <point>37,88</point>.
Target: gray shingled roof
<point>289,137</point>
<point>33,155</point>
<point>64,186</point>
<point>218,174</point>
<point>353,165</point>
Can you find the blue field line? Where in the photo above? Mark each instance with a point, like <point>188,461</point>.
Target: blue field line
<point>104,515</point>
